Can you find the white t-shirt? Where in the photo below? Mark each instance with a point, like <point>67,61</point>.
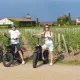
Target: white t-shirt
<point>14,35</point>
<point>47,40</point>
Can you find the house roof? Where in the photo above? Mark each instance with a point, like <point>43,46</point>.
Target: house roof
<point>63,16</point>
<point>74,21</point>
<point>28,16</point>
<point>20,19</point>
<point>78,18</point>
<point>5,21</point>
<point>49,23</point>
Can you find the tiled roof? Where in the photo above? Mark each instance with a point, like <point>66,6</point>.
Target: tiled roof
<point>20,19</point>
<point>74,21</point>
<point>49,23</point>
<point>78,18</point>
<point>63,16</point>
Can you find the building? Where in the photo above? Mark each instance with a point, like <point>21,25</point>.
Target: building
<point>23,22</point>
<point>5,21</point>
<point>77,20</point>
<point>49,23</point>
<point>19,22</point>
<point>63,16</point>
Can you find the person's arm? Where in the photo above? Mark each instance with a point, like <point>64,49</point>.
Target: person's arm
<point>52,37</point>
<point>38,34</point>
<point>19,35</point>
<point>9,33</point>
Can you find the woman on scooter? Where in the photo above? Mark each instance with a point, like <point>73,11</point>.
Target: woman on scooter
<point>48,36</point>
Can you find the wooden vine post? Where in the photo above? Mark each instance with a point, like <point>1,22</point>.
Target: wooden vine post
<point>65,44</point>
<point>59,44</point>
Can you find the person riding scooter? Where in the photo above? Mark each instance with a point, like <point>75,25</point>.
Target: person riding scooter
<point>15,36</point>
<point>48,37</point>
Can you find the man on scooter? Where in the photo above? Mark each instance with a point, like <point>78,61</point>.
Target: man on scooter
<point>15,36</point>
<point>48,37</point>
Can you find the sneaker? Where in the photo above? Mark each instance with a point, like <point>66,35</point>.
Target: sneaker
<point>51,64</point>
<point>43,58</point>
<point>23,62</point>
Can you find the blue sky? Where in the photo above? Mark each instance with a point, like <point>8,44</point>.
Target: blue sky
<point>45,10</point>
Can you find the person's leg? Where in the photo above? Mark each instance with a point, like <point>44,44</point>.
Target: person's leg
<point>51,57</point>
<point>20,52</point>
<point>43,48</point>
<point>51,53</point>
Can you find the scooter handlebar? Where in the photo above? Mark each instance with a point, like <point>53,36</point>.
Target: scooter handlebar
<point>14,38</point>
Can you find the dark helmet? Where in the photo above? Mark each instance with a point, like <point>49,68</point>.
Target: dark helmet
<point>12,25</point>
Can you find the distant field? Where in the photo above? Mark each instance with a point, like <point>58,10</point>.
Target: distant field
<point>65,26</point>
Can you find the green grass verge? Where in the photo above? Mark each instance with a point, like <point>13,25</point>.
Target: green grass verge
<point>71,62</point>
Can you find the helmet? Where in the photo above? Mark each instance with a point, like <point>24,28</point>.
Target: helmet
<point>12,25</point>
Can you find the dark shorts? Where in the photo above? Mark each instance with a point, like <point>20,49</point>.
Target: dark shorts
<point>17,46</point>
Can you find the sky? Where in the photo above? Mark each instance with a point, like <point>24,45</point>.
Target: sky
<point>45,10</point>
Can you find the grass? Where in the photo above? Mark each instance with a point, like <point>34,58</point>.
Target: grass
<point>69,62</point>
<point>72,39</point>
<point>71,34</point>
<point>61,62</point>
<point>67,26</point>
<point>41,27</point>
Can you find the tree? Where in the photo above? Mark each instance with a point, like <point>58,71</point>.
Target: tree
<point>69,16</point>
<point>37,22</point>
<point>62,20</point>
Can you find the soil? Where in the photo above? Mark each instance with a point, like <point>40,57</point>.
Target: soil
<point>26,48</point>
<point>42,72</point>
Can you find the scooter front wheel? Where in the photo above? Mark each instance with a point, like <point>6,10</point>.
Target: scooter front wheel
<point>8,59</point>
<point>1,56</point>
<point>35,59</point>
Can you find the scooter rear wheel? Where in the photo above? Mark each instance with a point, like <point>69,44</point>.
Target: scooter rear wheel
<point>45,54</point>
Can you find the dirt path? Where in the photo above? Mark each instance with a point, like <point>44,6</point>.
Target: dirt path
<point>26,48</point>
<point>44,72</point>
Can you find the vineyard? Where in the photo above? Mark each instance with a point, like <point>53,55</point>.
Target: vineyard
<point>66,40</point>
<point>66,43</point>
